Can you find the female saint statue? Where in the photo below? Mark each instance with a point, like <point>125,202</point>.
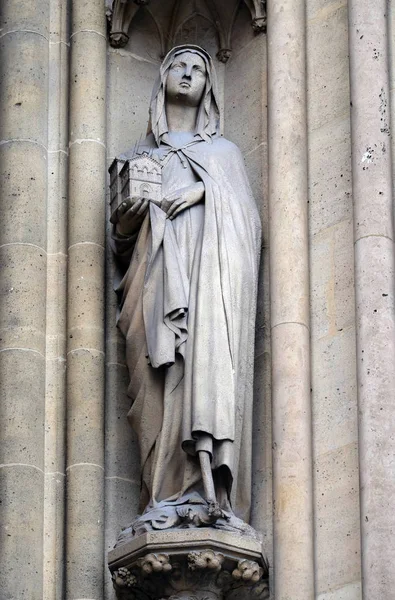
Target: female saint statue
<point>187,306</point>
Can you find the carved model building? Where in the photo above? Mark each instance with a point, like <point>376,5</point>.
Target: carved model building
<point>306,93</point>
<point>140,176</point>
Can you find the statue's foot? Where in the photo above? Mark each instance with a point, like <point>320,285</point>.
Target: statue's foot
<point>214,510</point>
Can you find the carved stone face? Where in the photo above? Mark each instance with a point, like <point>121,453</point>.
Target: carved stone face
<point>186,79</point>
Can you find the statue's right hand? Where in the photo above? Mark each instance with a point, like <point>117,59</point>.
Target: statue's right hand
<point>129,215</point>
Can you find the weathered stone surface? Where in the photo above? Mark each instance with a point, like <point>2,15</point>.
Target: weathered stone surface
<point>23,196</point>
<point>351,591</point>
<point>289,295</point>
<point>88,15</point>
<point>23,90</point>
<point>25,16</point>
<point>121,449</point>
<point>86,193</point>
<point>85,385</point>
<point>21,531</point>
<point>22,288</point>
<point>57,202</point>
<point>330,189</point>
<point>88,93</point>
<point>23,183</point>
<point>327,59</point>
<point>86,303</point>
<point>337,521</point>
<point>374,289</point>
<point>130,81</point>
<point>84,532</point>
<point>56,306</point>
<point>53,553</point>
<point>21,409</point>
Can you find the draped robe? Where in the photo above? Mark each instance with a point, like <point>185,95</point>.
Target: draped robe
<point>187,311</point>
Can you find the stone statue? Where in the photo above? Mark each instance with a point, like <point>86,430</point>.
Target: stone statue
<point>187,306</point>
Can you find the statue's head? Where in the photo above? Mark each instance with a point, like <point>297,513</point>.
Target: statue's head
<point>187,75</point>
<point>186,79</point>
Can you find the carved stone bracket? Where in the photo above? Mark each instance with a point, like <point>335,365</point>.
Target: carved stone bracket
<point>122,15</point>
<point>221,16</point>
<point>189,565</point>
<point>258,13</point>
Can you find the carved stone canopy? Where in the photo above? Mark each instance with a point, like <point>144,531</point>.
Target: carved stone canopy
<point>220,14</point>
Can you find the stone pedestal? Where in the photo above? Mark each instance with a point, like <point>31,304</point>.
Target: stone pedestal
<point>198,564</point>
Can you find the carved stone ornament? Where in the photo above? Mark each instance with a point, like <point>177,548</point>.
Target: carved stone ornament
<point>195,566</point>
<point>220,14</point>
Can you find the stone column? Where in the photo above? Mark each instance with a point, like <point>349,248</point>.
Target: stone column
<point>374,290</point>
<point>55,392</point>
<point>85,304</point>
<point>289,289</point>
<point>23,196</point>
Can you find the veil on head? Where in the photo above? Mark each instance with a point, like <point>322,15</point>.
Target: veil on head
<point>207,123</point>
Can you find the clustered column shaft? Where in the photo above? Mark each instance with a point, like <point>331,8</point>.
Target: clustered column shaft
<point>24,31</point>
<point>374,290</point>
<point>85,304</point>
<point>289,289</point>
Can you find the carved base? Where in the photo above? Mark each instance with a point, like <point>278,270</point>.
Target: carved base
<point>190,564</point>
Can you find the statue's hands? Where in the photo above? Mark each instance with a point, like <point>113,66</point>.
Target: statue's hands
<point>182,199</point>
<point>129,215</point>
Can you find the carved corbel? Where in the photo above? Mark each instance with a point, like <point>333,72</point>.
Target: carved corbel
<point>191,570</point>
<point>258,13</point>
<point>123,12</point>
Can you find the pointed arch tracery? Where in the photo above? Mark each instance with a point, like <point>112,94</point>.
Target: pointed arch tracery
<point>219,14</point>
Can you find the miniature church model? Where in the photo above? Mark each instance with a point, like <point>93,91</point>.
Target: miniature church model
<point>140,176</point>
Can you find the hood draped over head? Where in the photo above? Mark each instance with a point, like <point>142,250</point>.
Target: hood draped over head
<point>207,123</point>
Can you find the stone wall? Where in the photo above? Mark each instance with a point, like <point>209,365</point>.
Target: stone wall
<point>310,106</point>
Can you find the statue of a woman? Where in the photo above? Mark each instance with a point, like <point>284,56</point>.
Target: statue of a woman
<point>187,305</point>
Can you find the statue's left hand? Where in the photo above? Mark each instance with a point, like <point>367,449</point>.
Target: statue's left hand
<point>182,199</point>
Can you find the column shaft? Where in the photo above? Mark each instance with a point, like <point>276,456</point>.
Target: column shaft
<point>23,195</point>
<point>374,291</point>
<point>85,303</point>
<point>289,290</point>
<point>55,392</point>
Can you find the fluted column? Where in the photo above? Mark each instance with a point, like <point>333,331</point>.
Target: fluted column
<point>85,358</point>
<point>23,195</point>
<point>374,291</point>
<point>289,289</point>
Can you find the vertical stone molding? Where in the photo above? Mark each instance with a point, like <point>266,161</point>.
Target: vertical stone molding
<point>55,389</point>
<point>85,303</point>
<point>374,290</point>
<point>24,31</point>
<point>289,290</point>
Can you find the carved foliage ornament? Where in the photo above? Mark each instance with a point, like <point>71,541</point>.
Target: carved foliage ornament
<point>205,574</point>
<point>121,13</point>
